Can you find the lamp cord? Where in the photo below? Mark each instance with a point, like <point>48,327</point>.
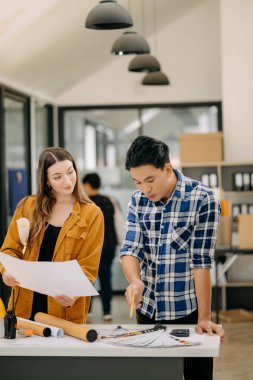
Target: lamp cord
<point>155,27</point>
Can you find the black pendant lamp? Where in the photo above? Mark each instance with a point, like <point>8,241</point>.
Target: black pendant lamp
<point>156,79</point>
<point>108,14</point>
<point>130,43</point>
<point>144,63</point>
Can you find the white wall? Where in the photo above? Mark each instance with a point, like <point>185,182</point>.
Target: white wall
<point>237,78</point>
<point>188,48</point>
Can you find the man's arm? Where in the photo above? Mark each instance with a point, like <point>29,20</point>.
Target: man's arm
<point>131,270</point>
<point>131,255</point>
<point>203,246</point>
<point>203,292</point>
<point>203,289</point>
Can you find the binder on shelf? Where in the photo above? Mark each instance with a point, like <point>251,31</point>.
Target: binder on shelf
<point>236,210</point>
<point>250,210</point>
<point>246,181</point>
<point>238,181</point>
<point>205,179</point>
<point>244,208</point>
<point>213,180</point>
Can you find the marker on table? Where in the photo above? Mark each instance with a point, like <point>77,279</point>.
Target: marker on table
<point>132,304</point>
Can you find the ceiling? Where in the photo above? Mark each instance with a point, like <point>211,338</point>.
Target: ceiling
<point>46,50</point>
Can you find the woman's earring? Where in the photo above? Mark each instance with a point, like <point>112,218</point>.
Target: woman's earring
<point>49,186</point>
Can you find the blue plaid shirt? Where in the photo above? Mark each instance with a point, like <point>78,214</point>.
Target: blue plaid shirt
<point>169,240</point>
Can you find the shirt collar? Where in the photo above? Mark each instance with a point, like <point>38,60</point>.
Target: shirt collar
<point>179,191</point>
<point>180,186</point>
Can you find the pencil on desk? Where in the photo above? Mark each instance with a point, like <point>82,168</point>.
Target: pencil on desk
<point>132,304</point>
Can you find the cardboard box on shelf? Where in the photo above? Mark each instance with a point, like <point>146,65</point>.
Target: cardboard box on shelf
<point>201,147</point>
<point>224,233</point>
<point>245,229</point>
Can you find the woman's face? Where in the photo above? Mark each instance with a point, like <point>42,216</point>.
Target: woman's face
<point>62,177</point>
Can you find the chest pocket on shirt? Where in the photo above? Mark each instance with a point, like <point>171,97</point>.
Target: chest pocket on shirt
<point>180,237</point>
<point>74,240</point>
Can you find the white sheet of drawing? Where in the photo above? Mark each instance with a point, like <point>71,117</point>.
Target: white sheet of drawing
<point>50,278</point>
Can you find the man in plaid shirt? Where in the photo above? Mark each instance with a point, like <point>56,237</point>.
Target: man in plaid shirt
<point>169,246</point>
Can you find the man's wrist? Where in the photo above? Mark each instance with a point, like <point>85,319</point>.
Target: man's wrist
<point>205,317</point>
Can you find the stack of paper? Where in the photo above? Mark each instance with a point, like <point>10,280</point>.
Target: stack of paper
<point>145,338</point>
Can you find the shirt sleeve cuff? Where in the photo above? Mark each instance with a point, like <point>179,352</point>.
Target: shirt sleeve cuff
<point>201,262</point>
<point>135,253</point>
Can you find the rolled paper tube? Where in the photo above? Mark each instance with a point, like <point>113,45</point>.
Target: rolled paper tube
<point>55,331</point>
<point>69,328</point>
<point>37,329</point>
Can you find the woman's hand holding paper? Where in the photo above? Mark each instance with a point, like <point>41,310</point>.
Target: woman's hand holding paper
<point>9,280</point>
<point>65,301</point>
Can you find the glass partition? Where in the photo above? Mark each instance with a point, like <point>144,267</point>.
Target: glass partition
<point>15,161</point>
<point>41,128</point>
<point>167,124</point>
<point>16,165</point>
<point>99,138</point>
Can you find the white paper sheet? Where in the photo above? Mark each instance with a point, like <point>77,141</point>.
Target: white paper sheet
<point>50,278</point>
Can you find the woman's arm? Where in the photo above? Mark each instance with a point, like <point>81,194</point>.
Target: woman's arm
<point>89,255</point>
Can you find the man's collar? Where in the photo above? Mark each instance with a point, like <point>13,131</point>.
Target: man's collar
<point>180,186</point>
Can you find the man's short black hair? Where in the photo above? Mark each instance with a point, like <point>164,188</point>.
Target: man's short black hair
<point>146,150</point>
<point>93,179</point>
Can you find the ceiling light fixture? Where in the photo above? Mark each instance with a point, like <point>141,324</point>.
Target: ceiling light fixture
<point>130,43</point>
<point>108,14</point>
<point>144,63</point>
<point>155,79</point>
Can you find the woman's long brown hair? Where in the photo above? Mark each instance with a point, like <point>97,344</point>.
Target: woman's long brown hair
<point>45,199</point>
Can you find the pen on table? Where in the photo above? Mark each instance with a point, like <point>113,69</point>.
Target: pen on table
<point>132,304</point>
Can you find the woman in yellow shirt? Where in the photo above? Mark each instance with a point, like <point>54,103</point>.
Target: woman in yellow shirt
<point>65,225</point>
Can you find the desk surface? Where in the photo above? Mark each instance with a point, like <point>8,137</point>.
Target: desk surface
<point>68,346</point>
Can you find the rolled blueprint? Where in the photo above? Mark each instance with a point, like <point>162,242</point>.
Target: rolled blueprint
<point>36,328</point>
<point>55,331</point>
<point>69,328</point>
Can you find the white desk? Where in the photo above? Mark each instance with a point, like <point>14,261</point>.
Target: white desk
<point>77,360</point>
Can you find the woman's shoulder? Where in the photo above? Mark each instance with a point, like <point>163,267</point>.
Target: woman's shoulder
<point>89,210</point>
<point>27,204</point>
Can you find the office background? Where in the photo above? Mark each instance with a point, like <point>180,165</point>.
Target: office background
<point>59,81</point>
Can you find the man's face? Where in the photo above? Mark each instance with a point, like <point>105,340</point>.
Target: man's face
<point>155,183</point>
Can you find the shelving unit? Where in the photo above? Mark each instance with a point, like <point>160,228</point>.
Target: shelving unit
<point>225,172</point>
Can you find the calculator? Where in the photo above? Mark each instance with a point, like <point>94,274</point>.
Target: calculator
<point>180,332</point>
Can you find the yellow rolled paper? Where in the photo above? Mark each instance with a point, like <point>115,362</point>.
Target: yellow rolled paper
<point>69,328</point>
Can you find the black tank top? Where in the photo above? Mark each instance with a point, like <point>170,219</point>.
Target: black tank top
<point>46,254</point>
